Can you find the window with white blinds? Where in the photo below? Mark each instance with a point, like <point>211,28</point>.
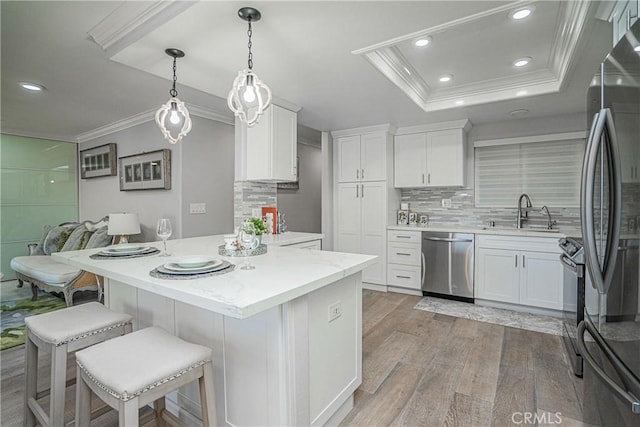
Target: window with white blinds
<point>549,172</point>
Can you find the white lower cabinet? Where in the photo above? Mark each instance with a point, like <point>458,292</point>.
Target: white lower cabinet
<point>404,257</point>
<point>506,273</point>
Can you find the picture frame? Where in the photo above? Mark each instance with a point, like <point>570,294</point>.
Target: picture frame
<point>413,218</point>
<point>402,217</point>
<point>146,171</point>
<point>98,161</point>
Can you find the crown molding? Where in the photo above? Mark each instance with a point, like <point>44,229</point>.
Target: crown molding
<point>464,124</point>
<point>567,37</point>
<point>147,116</point>
<point>27,134</point>
<point>389,128</point>
<point>285,104</point>
<point>133,19</point>
<point>531,139</point>
<point>387,58</point>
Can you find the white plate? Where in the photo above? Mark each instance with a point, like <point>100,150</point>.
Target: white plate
<point>173,266</point>
<point>126,249</point>
<point>194,262</point>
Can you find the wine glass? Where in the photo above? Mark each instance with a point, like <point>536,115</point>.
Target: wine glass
<point>163,230</point>
<point>248,240</point>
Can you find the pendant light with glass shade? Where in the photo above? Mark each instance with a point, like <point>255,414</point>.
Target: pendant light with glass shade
<point>174,108</point>
<point>249,96</point>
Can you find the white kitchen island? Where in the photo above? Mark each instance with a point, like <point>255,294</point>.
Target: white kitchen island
<point>278,358</point>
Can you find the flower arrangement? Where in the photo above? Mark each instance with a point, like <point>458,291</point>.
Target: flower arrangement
<point>259,225</point>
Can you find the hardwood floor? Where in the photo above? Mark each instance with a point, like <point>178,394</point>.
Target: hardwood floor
<point>426,369</point>
<point>419,369</point>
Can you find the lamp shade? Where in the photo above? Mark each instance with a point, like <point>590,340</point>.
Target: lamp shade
<point>123,224</point>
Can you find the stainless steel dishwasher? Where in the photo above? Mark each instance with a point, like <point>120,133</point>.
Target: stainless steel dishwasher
<point>448,265</point>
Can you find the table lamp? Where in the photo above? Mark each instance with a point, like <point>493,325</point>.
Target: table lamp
<point>123,225</point>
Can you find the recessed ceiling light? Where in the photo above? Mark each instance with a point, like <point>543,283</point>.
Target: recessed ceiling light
<point>33,87</point>
<point>522,13</point>
<point>521,62</point>
<point>637,48</point>
<point>520,112</point>
<point>423,41</point>
<point>521,93</point>
<point>460,102</point>
<point>445,78</point>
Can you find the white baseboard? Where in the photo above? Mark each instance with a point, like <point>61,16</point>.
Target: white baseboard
<point>404,290</point>
<point>374,287</point>
<point>520,308</point>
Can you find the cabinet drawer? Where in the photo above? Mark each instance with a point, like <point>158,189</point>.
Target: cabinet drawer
<point>405,276</point>
<point>404,253</point>
<point>404,236</point>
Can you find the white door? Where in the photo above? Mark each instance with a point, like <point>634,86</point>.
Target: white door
<point>373,157</point>
<point>373,229</point>
<point>541,280</point>
<point>410,160</point>
<point>348,217</point>
<point>348,158</point>
<point>445,158</point>
<point>498,275</point>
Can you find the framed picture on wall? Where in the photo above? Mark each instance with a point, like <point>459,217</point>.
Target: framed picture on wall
<point>146,171</point>
<point>98,161</point>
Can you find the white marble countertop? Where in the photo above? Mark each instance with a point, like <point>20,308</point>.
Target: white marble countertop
<point>525,232</point>
<point>280,275</point>
<point>290,238</point>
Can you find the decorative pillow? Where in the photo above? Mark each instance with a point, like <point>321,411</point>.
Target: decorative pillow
<point>56,238</point>
<point>74,241</point>
<point>39,250</point>
<point>99,239</point>
<point>85,238</point>
<point>93,227</point>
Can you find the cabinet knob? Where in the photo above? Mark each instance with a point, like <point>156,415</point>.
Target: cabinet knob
<point>357,173</point>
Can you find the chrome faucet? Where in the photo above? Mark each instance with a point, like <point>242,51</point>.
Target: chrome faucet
<point>550,223</point>
<point>522,217</point>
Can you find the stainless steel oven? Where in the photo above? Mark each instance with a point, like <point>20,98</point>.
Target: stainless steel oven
<point>572,259</point>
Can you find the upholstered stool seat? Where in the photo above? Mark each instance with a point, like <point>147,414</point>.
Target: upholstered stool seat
<point>136,369</point>
<point>59,333</point>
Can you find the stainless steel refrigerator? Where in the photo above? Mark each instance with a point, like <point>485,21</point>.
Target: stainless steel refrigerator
<point>609,335</point>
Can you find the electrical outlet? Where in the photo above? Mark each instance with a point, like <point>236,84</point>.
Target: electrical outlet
<point>197,208</point>
<point>335,310</point>
<point>446,203</point>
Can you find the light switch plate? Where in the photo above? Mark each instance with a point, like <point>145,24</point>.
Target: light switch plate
<point>197,208</point>
<point>446,203</point>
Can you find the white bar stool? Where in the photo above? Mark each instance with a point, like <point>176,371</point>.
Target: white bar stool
<point>136,369</point>
<point>62,332</point>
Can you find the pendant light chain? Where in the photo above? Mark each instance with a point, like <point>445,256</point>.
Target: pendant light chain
<point>173,92</point>
<point>249,45</point>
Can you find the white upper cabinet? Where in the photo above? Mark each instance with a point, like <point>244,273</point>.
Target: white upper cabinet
<point>431,158</point>
<point>362,157</point>
<point>410,160</point>
<point>628,129</point>
<point>271,148</point>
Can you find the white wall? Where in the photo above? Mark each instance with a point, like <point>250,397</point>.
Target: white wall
<point>202,162</point>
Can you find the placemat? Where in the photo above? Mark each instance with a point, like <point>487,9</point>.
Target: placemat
<point>152,251</point>
<point>229,267</point>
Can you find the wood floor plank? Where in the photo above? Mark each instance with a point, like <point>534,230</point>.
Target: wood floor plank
<point>385,405</point>
<point>430,403</point>
<point>387,326</point>
<point>514,394</point>
<point>516,351</point>
<point>436,334</point>
<point>554,386</point>
<point>467,411</point>
<point>379,364</point>
<point>480,374</point>
<point>381,308</point>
